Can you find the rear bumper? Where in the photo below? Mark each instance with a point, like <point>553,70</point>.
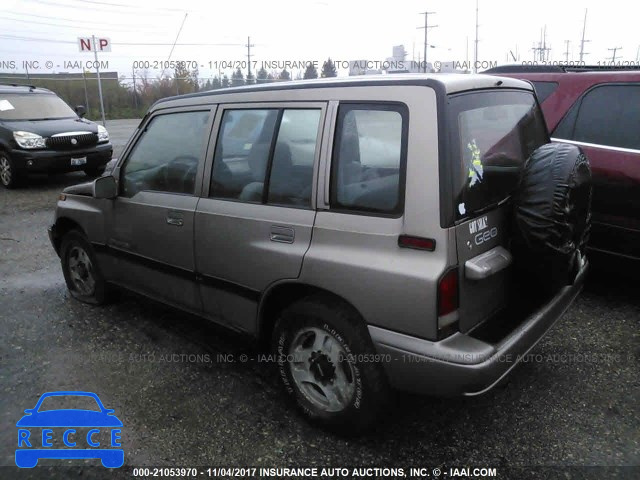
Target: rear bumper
<point>41,161</point>
<point>461,364</point>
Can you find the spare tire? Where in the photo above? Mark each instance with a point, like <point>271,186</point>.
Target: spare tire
<point>552,215</point>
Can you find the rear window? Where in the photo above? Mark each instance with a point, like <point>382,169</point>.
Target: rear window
<point>491,136</point>
<point>33,106</point>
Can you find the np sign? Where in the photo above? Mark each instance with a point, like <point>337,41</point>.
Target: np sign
<point>85,44</point>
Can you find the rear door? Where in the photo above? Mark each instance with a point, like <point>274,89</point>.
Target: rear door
<point>492,133</point>
<point>253,225</point>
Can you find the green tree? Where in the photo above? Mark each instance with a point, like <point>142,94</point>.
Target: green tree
<point>263,76</point>
<point>284,75</point>
<point>250,79</point>
<point>184,80</point>
<point>225,81</point>
<point>329,69</point>
<point>237,79</point>
<point>216,83</point>
<point>310,72</point>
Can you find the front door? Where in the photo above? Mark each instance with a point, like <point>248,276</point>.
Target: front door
<point>150,229</point>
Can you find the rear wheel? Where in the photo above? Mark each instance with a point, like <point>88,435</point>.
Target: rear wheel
<point>326,363</point>
<point>9,177</point>
<point>81,271</point>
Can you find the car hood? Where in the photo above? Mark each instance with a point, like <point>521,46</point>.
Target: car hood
<point>46,128</point>
<point>69,418</point>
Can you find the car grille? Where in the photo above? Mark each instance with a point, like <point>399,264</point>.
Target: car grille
<point>72,141</point>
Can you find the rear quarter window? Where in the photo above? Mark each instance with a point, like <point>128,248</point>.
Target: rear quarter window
<point>544,89</point>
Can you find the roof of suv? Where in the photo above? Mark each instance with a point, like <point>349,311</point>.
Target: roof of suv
<point>15,88</point>
<point>571,83</point>
<point>450,82</point>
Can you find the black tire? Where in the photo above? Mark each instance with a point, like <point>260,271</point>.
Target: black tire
<point>9,176</point>
<point>552,213</point>
<point>360,399</point>
<point>85,283</point>
<point>94,172</point>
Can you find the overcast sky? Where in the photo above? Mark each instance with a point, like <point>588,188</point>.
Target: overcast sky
<point>47,30</point>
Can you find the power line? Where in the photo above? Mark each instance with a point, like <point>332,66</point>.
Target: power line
<point>51,40</point>
<point>72,27</point>
<point>35,39</point>
<point>110,10</point>
<point>75,21</point>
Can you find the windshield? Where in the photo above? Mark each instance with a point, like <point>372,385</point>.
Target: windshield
<point>33,106</point>
<point>492,135</point>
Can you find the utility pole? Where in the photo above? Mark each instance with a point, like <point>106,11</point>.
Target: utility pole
<point>582,42</point>
<point>95,52</point>
<point>475,52</point>
<point>426,29</point>
<point>135,96</point>
<point>566,53</point>
<point>614,50</point>
<point>86,94</point>
<point>249,45</point>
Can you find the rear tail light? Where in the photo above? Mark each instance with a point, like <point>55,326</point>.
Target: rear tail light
<point>448,300</point>
<point>418,243</point>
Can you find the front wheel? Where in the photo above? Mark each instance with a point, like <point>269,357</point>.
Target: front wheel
<point>326,363</point>
<point>9,177</point>
<point>81,271</point>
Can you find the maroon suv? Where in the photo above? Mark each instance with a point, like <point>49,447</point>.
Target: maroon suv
<point>599,110</point>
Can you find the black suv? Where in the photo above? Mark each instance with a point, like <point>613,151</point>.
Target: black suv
<point>40,133</point>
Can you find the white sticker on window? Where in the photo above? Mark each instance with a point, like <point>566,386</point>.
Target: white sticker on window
<point>6,105</point>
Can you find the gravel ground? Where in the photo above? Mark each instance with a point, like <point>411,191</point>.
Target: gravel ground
<point>201,411</point>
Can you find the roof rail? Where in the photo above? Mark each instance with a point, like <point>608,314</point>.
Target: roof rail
<point>17,85</point>
<point>529,68</point>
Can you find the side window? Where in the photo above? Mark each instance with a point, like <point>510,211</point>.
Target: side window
<point>291,177</point>
<point>607,115</point>
<point>165,158</point>
<point>544,89</point>
<point>266,155</point>
<point>242,154</point>
<point>369,158</point>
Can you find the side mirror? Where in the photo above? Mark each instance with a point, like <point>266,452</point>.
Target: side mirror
<point>80,110</point>
<point>105,187</point>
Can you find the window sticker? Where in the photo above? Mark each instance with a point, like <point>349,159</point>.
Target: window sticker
<point>475,170</point>
<point>6,105</point>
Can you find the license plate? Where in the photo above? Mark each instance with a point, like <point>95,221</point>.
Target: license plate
<point>78,161</point>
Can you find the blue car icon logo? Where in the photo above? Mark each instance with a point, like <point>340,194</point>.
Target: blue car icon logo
<point>64,433</point>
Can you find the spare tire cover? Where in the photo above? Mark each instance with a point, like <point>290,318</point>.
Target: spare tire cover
<point>552,211</point>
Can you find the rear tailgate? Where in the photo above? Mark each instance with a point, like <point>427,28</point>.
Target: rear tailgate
<point>483,261</point>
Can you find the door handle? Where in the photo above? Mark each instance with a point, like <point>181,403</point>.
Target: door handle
<point>175,217</point>
<point>178,222</point>
<point>282,234</point>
